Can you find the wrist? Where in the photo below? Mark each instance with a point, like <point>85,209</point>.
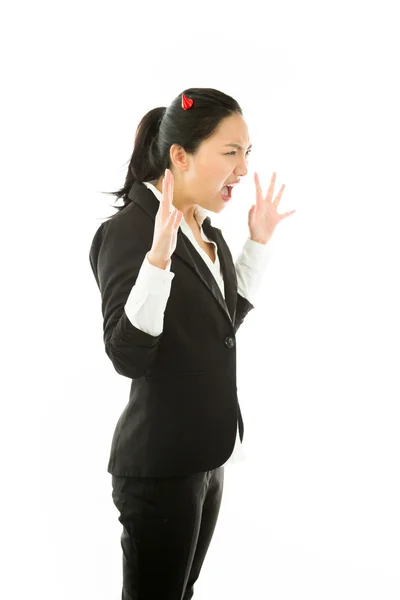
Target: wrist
<point>156,262</point>
<point>260,241</point>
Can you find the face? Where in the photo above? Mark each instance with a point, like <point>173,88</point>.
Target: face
<point>198,178</point>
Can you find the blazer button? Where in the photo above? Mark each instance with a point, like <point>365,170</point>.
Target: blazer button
<point>229,342</point>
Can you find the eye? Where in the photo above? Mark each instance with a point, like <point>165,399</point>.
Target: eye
<point>234,152</point>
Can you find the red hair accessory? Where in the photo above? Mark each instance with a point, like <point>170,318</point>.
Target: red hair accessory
<point>186,102</point>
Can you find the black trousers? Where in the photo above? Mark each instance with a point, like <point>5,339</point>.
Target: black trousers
<point>168,524</point>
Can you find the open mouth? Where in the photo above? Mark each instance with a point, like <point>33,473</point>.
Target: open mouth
<point>226,192</point>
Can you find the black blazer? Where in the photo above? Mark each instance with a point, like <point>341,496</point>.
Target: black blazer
<point>183,409</point>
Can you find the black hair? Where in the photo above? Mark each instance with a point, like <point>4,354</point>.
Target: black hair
<point>162,127</point>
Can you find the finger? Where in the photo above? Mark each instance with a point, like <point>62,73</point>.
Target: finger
<point>178,219</point>
<point>170,186</point>
<point>175,219</point>
<point>259,195</point>
<point>271,187</point>
<point>287,214</point>
<point>166,203</point>
<point>279,196</point>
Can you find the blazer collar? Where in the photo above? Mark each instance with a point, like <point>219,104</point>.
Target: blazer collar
<point>145,198</point>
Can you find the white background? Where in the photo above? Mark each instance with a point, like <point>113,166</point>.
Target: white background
<point>313,512</point>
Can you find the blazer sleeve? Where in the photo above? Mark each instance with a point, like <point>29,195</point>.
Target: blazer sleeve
<point>118,250</point>
<point>243,307</point>
<point>250,267</point>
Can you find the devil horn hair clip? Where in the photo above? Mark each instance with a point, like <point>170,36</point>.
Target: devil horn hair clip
<point>186,102</point>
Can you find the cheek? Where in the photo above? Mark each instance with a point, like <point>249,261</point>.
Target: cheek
<point>211,177</point>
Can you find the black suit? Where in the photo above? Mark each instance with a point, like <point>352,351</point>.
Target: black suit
<point>183,407</point>
<point>179,426</point>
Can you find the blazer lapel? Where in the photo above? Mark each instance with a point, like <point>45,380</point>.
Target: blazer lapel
<point>185,250</point>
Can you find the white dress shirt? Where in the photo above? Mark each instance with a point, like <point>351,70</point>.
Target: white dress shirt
<point>148,298</point>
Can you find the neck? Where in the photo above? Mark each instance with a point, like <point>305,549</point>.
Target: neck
<point>186,209</point>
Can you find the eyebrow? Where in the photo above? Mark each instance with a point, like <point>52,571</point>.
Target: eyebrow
<point>239,146</point>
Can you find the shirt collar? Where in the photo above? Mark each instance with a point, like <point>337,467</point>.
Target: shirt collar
<point>200,213</point>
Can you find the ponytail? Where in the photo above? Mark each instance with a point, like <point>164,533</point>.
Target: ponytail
<point>144,162</point>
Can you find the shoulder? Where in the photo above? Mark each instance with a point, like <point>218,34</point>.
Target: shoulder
<point>130,220</point>
<point>130,228</point>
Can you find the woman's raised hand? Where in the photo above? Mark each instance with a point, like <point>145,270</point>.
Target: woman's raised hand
<point>166,226</point>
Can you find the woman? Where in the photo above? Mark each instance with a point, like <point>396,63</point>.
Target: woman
<point>172,302</point>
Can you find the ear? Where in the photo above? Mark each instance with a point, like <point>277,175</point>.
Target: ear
<point>178,157</point>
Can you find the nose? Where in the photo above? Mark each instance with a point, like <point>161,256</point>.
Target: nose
<point>241,169</point>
